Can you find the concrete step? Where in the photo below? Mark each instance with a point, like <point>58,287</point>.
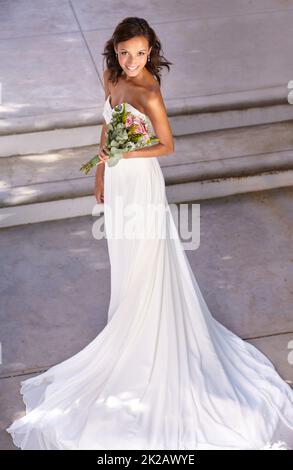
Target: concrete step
<point>82,127</point>
<point>49,186</point>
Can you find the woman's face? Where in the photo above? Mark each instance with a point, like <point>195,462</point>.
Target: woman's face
<point>133,55</point>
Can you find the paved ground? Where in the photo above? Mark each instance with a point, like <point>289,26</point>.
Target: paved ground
<point>55,285</point>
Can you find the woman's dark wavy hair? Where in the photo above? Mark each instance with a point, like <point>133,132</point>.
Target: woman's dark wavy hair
<point>128,28</point>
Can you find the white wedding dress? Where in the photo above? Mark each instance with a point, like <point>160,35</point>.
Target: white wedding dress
<point>163,373</point>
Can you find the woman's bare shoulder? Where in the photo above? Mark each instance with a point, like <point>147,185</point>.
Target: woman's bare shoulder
<point>152,94</point>
<point>148,91</point>
<point>152,85</point>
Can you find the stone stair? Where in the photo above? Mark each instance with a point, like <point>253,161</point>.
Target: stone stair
<point>224,144</point>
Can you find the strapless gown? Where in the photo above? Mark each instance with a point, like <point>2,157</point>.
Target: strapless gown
<point>163,373</point>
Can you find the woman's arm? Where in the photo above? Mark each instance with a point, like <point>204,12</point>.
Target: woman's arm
<point>100,170</point>
<point>156,150</point>
<point>155,109</point>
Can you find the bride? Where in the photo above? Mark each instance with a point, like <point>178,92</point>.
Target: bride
<point>163,373</point>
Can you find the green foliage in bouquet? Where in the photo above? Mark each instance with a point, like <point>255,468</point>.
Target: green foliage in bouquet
<point>125,132</point>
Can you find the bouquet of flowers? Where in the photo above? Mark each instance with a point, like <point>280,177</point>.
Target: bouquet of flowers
<point>125,132</point>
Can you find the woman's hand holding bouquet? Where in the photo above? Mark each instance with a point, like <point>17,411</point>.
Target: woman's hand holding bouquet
<point>125,132</point>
